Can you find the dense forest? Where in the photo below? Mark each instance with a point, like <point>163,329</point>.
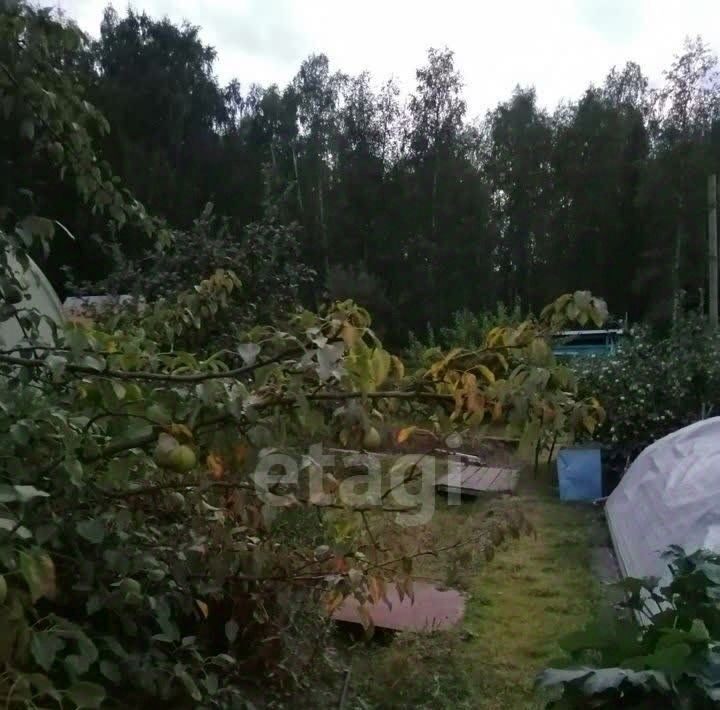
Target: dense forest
<point>337,185</point>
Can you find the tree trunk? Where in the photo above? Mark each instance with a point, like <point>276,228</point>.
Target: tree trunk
<point>297,180</point>
<point>712,253</point>
<point>323,230</point>
<point>677,259</point>
<point>433,202</point>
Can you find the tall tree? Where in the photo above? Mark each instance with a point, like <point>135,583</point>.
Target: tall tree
<point>685,150</point>
<point>518,165</point>
<point>599,148</point>
<point>317,96</point>
<point>157,89</point>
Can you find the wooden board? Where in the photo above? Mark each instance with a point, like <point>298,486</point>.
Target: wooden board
<point>434,609</point>
<point>479,480</point>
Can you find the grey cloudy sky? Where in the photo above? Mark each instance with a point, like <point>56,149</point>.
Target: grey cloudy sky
<point>559,46</point>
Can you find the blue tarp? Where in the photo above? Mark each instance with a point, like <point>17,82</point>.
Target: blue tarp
<point>580,473</point>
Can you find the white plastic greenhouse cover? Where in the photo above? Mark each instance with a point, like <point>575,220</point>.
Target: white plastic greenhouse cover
<point>670,495</point>
<point>42,297</point>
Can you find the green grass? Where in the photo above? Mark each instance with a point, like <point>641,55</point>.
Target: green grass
<point>534,591</point>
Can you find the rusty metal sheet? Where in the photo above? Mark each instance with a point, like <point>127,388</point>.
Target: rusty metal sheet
<point>478,480</point>
<point>434,609</point>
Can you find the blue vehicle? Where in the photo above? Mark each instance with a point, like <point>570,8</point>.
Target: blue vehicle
<point>580,343</point>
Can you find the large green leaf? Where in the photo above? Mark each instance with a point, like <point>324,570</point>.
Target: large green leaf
<point>38,571</point>
<point>87,695</point>
<point>92,530</point>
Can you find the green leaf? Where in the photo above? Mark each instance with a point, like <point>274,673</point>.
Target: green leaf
<point>57,365</point>
<point>40,682</point>
<point>87,695</point>
<point>39,573</point>
<point>11,525</point>
<point>91,530</point>
<point>188,682</point>
<point>8,494</point>
<point>7,105</point>
<point>248,352</point>
<point>529,438</point>
<point>111,671</point>
<point>231,630</point>
<point>94,363</point>
<point>44,646</point>
<point>115,648</point>
<point>43,533</point>
<point>75,469</point>
<point>27,129</point>
<point>672,659</point>
<point>38,227</point>
<point>591,681</point>
<point>20,434</point>
<point>211,683</point>
<point>26,493</point>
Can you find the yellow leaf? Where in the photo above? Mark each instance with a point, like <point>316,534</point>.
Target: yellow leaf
<point>381,364</point>
<point>216,466</point>
<point>349,334</point>
<point>589,423</point>
<point>203,608</point>
<point>442,364</point>
<point>366,620</point>
<point>404,434</point>
<point>497,412</point>
<point>180,431</point>
<point>458,397</point>
<point>486,372</point>
<point>475,402</point>
<point>333,600</point>
<point>398,367</point>
<point>495,337</point>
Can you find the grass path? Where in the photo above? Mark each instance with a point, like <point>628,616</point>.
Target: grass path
<point>534,591</point>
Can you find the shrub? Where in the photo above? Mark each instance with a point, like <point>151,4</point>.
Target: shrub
<point>264,255</point>
<point>653,386</point>
<point>362,287</point>
<point>664,653</point>
<point>467,329</point>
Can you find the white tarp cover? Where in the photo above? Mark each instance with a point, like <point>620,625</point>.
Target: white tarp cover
<point>670,495</point>
<point>42,297</point>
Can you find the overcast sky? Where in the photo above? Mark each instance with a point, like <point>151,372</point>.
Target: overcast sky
<point>559,46</point>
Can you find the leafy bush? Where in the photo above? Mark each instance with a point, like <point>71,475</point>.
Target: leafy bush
<point>467,330</point>
<point>362,287</point>
<point>264,255</point>
<point>665,653</point>
<point>653,386</point>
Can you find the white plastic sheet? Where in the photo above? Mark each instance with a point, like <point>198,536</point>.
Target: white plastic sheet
<point>42,297</point>
<point>670,495</point>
